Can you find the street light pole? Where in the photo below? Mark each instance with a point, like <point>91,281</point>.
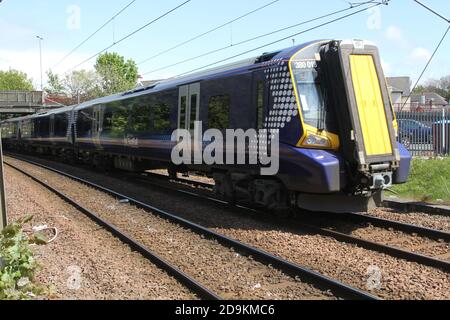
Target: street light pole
<point>40,58</point>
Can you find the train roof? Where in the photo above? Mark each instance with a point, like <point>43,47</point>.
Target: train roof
<point>234,68</point>
<point>230,69</point>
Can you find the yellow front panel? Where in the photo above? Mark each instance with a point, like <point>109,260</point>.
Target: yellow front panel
<point>371,109</point>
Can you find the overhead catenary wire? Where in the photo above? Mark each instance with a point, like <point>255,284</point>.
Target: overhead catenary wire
<point>426,67</point>
<point>131,34</point>
<point>267,34</point>
<point>208,32</point>
<point>433,11</point>
<point>94,33</point>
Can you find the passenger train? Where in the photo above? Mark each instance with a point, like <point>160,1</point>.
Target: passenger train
<point>328,99</point>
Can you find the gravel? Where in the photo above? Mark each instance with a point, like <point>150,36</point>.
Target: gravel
<point>221,269</point>
<point>434,221</point>
<point>350,264</point>
<point>389,236</point>
<point>85,262</point>
<point>438,249</point>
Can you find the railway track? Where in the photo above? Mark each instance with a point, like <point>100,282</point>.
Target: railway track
<point>399,205</point>
<point>416,206</point>
<point>188,281</point>
<point>355,217</point>
<point>290,268</point>
<point>312,226</point>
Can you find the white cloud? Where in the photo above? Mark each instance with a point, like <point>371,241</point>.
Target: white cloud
<point>396,35</point>
<point>419,55</point>
<point>28,61</point>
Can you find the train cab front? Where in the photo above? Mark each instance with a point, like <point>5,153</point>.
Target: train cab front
<point>346,112</point>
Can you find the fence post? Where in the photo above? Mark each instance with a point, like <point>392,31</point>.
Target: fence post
<point>444,131</point>
<point>3,215</point>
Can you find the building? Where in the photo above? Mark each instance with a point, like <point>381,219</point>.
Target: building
<point>428,101</point>
<point>58,100</point>
<point>400,88</point>
<point>403,100</point>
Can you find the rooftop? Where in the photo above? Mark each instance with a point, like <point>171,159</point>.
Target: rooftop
<point>400,84</point>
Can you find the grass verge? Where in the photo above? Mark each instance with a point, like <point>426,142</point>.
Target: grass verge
<point>429,181</point>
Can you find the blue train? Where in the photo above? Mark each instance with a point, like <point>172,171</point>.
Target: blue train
<point>328,99</point>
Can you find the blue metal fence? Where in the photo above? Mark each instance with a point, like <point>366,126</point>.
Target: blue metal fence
<point>425,134</point>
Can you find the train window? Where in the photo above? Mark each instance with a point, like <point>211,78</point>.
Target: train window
<point>36,127</point>
<point>260,104</point>
<point>107,120</point>
<point>27,129</point>
<point>8,130</point>
<point>44,127</point>
<point>119,121</point>
<point>219,112</point>
<point>84,123</point>
<point>310,95</point>
<point>161,118</point>
<point>140,117</point>
<point>60,125</point>
<point>183,106</point>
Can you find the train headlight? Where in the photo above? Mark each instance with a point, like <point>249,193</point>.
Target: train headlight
<point>313,140</point>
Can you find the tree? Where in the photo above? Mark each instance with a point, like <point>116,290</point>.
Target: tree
<point>82,85</point>
<point>54,83</point>
<point>117,75</point>
<point>441,87</point>
<point>15,80</point>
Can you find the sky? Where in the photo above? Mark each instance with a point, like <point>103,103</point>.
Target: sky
<point>405,32</point>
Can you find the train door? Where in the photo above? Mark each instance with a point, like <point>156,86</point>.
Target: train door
<point>19,131</point>
<point>188,106</point>
<point>259,99</point>
<point>52,128</point>
<point>97,125</point>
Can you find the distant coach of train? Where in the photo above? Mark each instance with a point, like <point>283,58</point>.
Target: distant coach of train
<point>328,99</point>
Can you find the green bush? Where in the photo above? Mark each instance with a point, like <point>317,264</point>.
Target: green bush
<point>429,181</point>
<point>17,263</point>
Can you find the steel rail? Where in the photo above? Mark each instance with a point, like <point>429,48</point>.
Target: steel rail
<point>286,266</point>
<point>185,279</point>
<point>401,226</point>
<point>399,205</point>
<point>412,206</point>
<point>367,244</point>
